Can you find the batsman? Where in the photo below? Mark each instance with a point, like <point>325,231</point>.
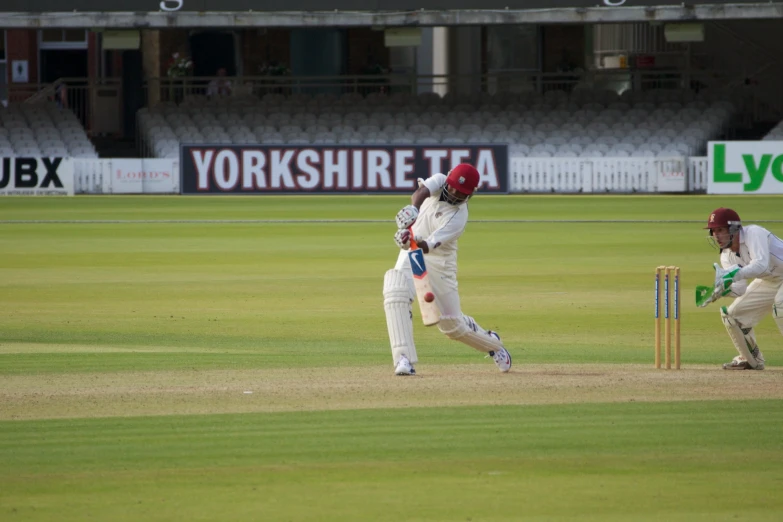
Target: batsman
<point>435,220</point>
<point>751,269</point>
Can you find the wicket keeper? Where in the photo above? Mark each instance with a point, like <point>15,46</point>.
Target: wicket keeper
<point>747,253</point>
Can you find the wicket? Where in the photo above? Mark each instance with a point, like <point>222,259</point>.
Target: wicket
<point>667,272</point>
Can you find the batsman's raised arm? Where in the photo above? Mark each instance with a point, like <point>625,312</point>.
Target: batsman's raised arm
<point>421,194</point>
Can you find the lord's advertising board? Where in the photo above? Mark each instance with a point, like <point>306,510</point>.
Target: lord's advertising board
<point>237,169</point>
<point>745,167</point>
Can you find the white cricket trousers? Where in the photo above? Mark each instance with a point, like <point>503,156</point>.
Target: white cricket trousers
<point>752,306</point>
<point>443,278</point>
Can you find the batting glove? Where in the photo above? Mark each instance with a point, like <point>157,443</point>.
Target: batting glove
<point>407,217</point>
<point>403,238</point>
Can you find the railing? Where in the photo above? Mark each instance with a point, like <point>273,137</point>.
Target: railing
<point>698,173</point>
<point>97,104</point>
<point>178,90</point>
<point>49,92</point>
<point>616,175</point>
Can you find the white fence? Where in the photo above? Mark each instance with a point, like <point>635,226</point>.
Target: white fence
<point>126,176</point>
<point>534,175</point>
<point>621,175</point>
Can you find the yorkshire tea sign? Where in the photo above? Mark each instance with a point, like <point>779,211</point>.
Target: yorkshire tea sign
<point>745,167</point>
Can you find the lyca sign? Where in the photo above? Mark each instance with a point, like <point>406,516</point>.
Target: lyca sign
<point>745,167</point>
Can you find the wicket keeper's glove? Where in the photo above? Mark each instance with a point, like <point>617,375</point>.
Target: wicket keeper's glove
<point>724,277</point>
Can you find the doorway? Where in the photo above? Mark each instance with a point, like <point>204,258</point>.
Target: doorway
<point>68,63</point>
<point>63,63</point>
<point>213,50</point>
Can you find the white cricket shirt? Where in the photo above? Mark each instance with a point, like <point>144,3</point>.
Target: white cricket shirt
<point>760,254</point>
<point>440,224</point>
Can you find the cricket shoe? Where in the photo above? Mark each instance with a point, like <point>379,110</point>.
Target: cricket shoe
<point>501,357</point>
<point>404,367</point>
<point>739,363</point>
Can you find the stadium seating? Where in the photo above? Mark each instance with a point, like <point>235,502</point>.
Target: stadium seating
<point>775,134</point>
<point>583,123</point>
<point>42,130</point>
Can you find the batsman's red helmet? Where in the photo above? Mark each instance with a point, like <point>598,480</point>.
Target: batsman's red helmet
<point>723,217</point>
<point>463,178</point>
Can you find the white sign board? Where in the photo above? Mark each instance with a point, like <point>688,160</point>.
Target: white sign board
<point>745,167</point>
<point>19,71</point>
<point>672,175</point>
<point>36,177</point>
<point>144,176</point>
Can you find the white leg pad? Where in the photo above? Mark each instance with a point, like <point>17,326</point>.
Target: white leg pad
<point>744,339</point>
<point>465,330</point>
<point>398,304</point>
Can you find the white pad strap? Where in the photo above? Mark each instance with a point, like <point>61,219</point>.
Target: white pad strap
<point>466,330</point>
<point>397,302</point>
<point>777,314</point>
<point>744,340</point>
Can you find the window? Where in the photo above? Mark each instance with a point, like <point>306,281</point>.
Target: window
<point>62,39</point>
<point>513,48</point>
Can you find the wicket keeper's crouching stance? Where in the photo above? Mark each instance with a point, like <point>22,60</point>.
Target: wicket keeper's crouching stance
<point>437,216</point>
<point>747,252</point>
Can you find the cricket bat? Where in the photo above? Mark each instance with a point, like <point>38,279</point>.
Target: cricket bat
<point>430,312</point>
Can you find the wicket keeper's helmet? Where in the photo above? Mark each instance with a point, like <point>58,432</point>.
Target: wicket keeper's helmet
<point>463,178</point>
<point>724,217</point>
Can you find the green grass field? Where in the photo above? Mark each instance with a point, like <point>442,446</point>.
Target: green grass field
<point>226,358</point>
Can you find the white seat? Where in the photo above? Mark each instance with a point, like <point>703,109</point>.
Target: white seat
<point>404,138</point>
<point>591,153</point>
<point>546,127</point>
<point>453,140</point>
<point>419,128</point>
<point>349,138</point>
<point>626,148</point>
<point>583,140</point>
<point>607,140</point>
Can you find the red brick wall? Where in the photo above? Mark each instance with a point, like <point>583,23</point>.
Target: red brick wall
<point>22,44</point>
